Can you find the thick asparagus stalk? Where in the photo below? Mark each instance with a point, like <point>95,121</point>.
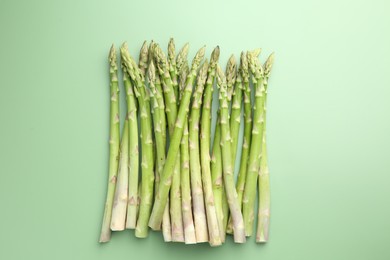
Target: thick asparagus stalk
<point>263,181</point>
<point>185,185</point>
<point>105,234</point>
<point>147,161</point>
<point>165,184</point>
<point>131,217</point>
<point>231,194</point>
<point>255,147</point>
<point>235,120</point>
<point>172,66</point>
<point>166,222</point>
<point>118,219</point>
<point>159,123</point>
<point>171,111</point>
<point>247,128</point>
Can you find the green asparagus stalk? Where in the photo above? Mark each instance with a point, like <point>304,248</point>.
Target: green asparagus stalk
<point>231,194</point>
<point>171,111</point>
<point>105,234</point>
<point>247,128</point>
<point>263,180</point>
<point>255,147</point>
<point>165,184</point>
<point>203,178</point>
<point>166,222</point>
<point>235,120</point>
<point>181,59</point>
<point>185,185</point>
<point>147,164</point>
<point>118,219</point>
<point>131,217</point>
<point>217,179</point>
<point>172,66</point>
<point>143,58</point>
<point>159,123</point>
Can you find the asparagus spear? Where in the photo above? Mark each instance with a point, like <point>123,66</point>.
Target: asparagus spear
<point>247,128</point>
<point>200,171</point>
<point>171,111</point>
<point>255,147</point>
<point>146,143</point>
<point>143,58</point>
<point>263,181</point>
<point>188,221</point>
<point>161,198</point>
<point>231,194</point>
<point>105,234</point>
<point>235,120</point>
<point>118,219</point>
<point>131,217</point>
<point>172,66</point>
<point>166,222</point>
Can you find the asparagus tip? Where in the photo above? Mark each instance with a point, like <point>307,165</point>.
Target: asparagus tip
<point>215,55</point>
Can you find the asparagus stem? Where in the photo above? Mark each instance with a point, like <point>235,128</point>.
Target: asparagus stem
<point>263,180</point>
<point>188,221</point>
<point>247,128</point>
<point>255,147</point>
<point>165,184</point>
<point>171,111</point>
<point>172,66</point>
<point>119,207</point>
<point>235,121</point>
<point>159,123</point>
<point>147,164</point>
<point>131,217</point>
<point>231,194</point>
<point>105,234</point>
<point>217,179</point>
<point>203,178</point>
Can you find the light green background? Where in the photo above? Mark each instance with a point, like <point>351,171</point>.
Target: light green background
<point>328,123</point>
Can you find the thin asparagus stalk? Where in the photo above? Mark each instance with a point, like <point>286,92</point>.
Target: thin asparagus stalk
<point>143,58</point>
<point>166,222</point>
<point>255,147</point>
<point>231,76</point>
<point>247,128</point>
<point>263,180</point>
<point>118,219</point>
<point>165,184</point>
<point>188,221</point>
<point>131,217</point>
<point>146,142</point>
<point>235,121</point>
<point>158,113</point>
<point>171,111</point>
<point>172,66</point>
<point>217,179</point>
<point>105,234</point>
<point>231,194</point>
<point>203,178</point>
<point>235,116</point>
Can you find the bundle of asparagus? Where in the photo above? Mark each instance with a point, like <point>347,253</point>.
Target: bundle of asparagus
<point>179,182</point>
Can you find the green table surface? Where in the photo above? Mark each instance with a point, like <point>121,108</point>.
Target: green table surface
<point>328,122</point>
